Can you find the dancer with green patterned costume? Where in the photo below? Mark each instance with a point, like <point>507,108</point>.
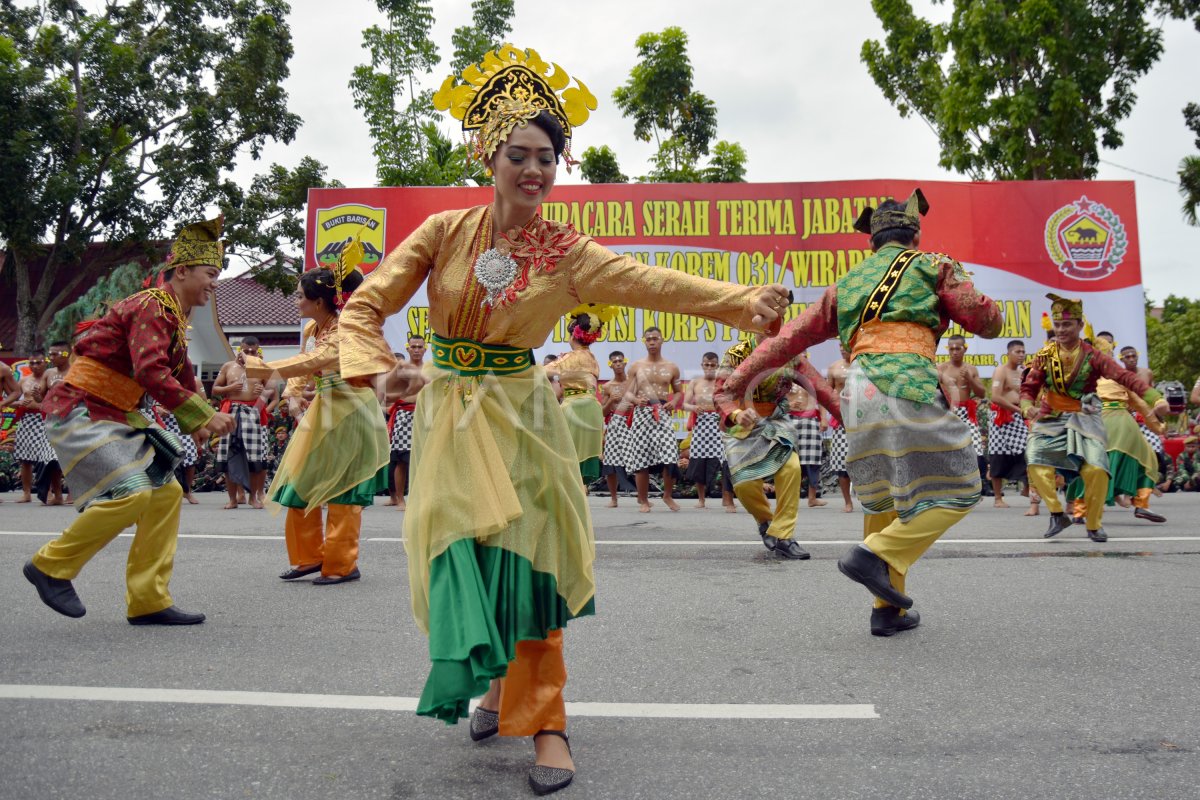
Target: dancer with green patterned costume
<point>911,458</point>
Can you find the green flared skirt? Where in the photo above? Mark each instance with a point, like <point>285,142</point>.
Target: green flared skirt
<point>483,600</point>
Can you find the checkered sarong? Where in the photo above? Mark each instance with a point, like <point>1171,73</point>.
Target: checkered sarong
<point>31,443</point>
<point>651,441</point>
<point>808,440</point>
<point>250,433</point>
<point>1007,439</point>
<point>190,456</point>
<point>839,448</point>
<point>402,432</point>
<point>616,439</point>
<point>976,435</point>
<point>1153,438</point>
<point>706,436</point>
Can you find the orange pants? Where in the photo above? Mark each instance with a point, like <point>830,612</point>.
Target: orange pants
<point>336,549</point>
<point>531,694</point>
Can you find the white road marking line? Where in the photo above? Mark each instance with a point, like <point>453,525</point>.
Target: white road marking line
<point>691,542</point>
<point>382,703</point>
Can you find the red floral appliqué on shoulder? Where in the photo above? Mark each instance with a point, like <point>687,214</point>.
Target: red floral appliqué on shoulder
<point>538,247</point>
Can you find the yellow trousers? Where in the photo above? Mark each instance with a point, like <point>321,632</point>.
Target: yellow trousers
<point>787,499</point>
<point>334,548</point>
<point>900,544</point>
<point>151,556</point>
<point>1095,489</point>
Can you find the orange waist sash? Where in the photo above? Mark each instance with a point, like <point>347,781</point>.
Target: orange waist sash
<point>1063,403</point>
<point>119,391</point>
<point>894,337</point>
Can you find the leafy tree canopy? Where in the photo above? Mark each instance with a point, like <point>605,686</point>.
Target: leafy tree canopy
<point>1174,341</point>
<point>117,124</point>
<point>1020,89</point>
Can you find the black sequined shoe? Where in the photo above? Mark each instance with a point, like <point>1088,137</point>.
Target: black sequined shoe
<point>544,780</point>
<point>484,723</point>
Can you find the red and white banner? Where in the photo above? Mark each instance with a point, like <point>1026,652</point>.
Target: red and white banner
<point>1020,239</point>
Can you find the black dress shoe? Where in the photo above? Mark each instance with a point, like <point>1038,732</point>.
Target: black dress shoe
<point>57,593</point>
<point>1098,535</point>
<point>329,580</point>
<point>544,780</point>
<point>1148,515</point>
<point>889,621</point>
<point>168,616</point>
<point>484,723</point>
<point>294,572</point>
<point>768,540</point>
<point>863,566</point>
<point>789,548</point>
<point>1058,523</point>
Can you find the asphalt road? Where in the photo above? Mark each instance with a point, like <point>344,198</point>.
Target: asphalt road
<point>1055,669</point>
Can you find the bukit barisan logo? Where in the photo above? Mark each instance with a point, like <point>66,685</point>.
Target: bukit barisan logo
<point>339,225</point>
<point>1086,240</point>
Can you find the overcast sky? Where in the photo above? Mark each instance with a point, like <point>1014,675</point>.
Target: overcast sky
<point>788,85</point>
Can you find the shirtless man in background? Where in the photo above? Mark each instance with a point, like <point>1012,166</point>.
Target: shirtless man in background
<point>400,390</point>
<point>961,385</point>
<point>1006,428</point>
<point>245,399</point>
<point>806,416</point>
<point>31,445</point>
<point>839,446</point>
<point>706,462</point>
<point>618,421</point>
<point>654,383</point>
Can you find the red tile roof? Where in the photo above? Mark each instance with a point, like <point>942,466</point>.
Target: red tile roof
<point>244,301</point>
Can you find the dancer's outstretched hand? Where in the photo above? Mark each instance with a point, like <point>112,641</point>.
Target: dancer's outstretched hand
<point>768,306</point>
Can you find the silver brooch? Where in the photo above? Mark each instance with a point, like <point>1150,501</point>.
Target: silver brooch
<point>495,272</point>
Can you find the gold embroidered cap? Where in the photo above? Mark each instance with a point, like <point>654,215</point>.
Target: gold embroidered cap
<point>1064,307</point>
<point>509,88</point>
<point>873,221</point>
<point>199,244</point>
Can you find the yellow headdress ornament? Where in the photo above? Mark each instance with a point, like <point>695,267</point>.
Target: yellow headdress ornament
<point>598,316</point>
<point>199,244</point>
<point>509,88</point>
<point>1064,307</point>
<point>348,261</point>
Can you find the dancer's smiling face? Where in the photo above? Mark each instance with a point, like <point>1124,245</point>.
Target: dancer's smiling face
<point>525,167</point>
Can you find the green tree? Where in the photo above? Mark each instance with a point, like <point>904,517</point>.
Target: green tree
<point>1020,89</point>
<point>267,223</point>
<point>491,22</point>
<point>665,108</point>
<point>727,165</point>
<point>410,150</point>
<point>1174,340</point>
<point>599,165</point>
<point>117,123</point>
<point>386,89</point>
<point>1189,169</point>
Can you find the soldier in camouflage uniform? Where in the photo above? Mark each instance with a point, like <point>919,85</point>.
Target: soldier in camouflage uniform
<point>1185,474</point>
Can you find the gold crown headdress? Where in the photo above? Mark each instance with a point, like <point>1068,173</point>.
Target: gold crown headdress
<point>199,244</point>
<point>1065,307</point>
<point>509,88</point>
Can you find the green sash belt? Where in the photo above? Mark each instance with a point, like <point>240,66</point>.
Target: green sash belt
<point>574,392</point>
<point>472,359</point>
<point>325,382</point>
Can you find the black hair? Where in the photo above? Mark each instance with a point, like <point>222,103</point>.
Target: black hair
<point>550,359</point>
<point>652,329</point>
<point>558,140</point>
<point>616,353</point>
<point>710,355</point>
<point>412,336</point>
<point>317,285</point>
<point>249,341</point>
<point>902,236</point>
<point>1129,347</point>
<point>579,319</point>
<point>1013,344</point>
<point>958,336</point>
<point>1106,333</point>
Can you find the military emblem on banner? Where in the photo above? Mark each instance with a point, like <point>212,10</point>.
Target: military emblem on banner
<point>338,226</point>
<point>1086,240</point>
